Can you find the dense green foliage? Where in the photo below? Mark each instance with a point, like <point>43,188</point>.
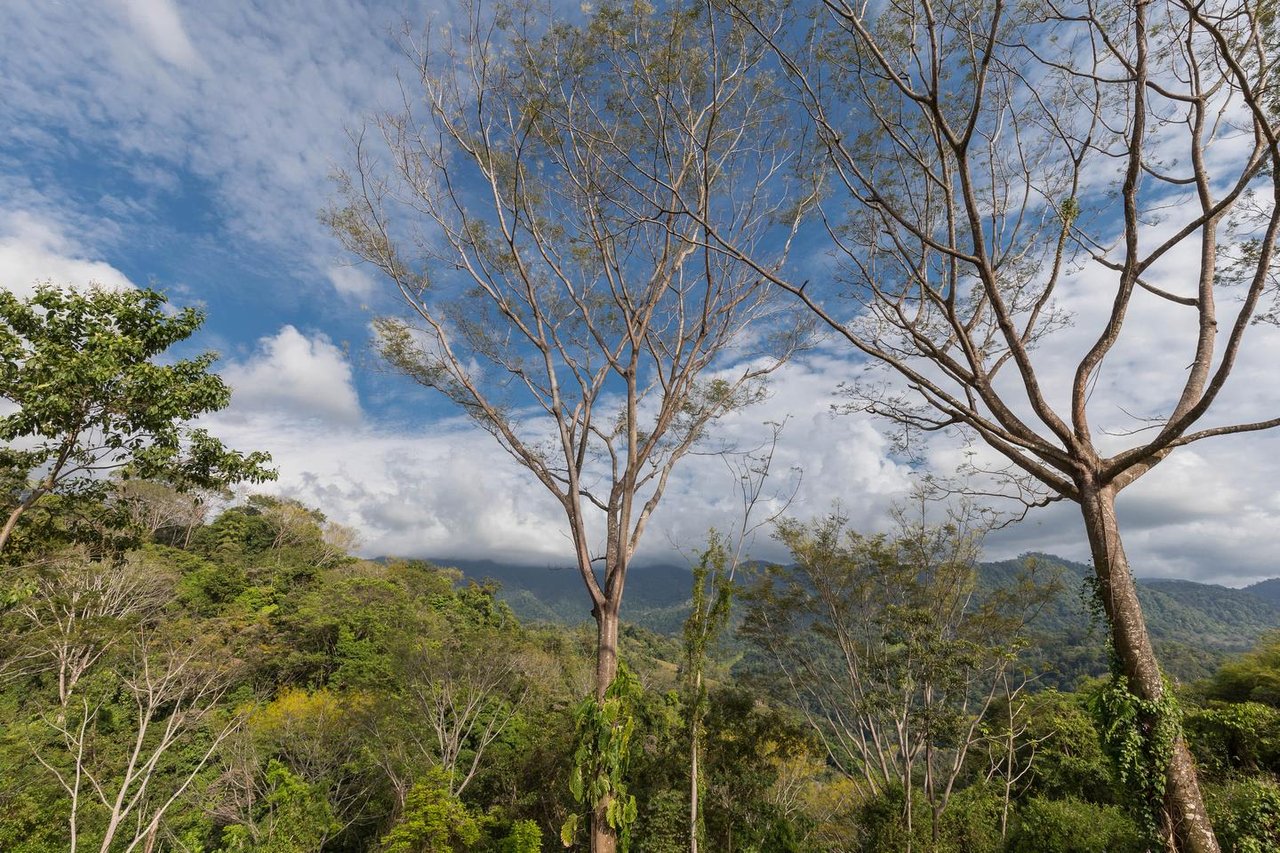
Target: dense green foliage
<point>321,702</point>
<point>1194,626</point>
<point>287,697</point>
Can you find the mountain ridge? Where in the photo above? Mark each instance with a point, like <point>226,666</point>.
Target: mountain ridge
<point>1193,625</point>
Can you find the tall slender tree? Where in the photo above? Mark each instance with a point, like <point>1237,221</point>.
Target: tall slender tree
<point>524,205</point>
<point>993,166</point>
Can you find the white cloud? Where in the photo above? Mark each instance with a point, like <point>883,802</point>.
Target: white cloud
<point>260,125</point>
<point>447,489</point>
<point>297,377</point>
<point>834,458</point>
<point>1208,513</point>
<point>351,282</point>
<point>34,249</point>
<point>253,99</point>
<point>443,490</point>
<point>159,23</point>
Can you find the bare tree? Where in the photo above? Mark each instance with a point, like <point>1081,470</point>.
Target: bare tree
<point>458,689</point>
<point>337,541</point>
<point>76,610</point>
<point>890,653</point>
<point>555,294</point>
<point>302,745</point>
<point>238,789</point>
<point>1011,752</point>
<point>92,627</point>
<point>467,693</point>
<point>990,162</point>
<point>154,506</point>
<point>171,692</point>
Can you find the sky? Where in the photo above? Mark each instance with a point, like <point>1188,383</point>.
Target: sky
<point>188,146</point>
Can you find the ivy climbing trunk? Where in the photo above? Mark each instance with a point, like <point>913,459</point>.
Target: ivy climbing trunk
<point>1187,826</point>
<point>604,838</point>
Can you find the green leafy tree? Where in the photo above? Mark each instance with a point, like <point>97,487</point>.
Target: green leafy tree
<point>1069,759</point>
<point>525,837</point>
<point>1073,826</point>
<point>763,771</point>
<point>1253,677</point>
<point>708,617</point>
<point>81,367</point>
<point>1229,737</point>
<point>1247,812</point>
<point>293,817</point>
<point>434,820</point>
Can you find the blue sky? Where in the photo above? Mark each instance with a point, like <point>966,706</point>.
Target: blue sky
<point>189,145</point>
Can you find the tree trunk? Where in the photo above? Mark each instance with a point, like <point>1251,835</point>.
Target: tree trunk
<point>693,765</point>
<point>1188,825</point>
<point>604,839</point>
<point>694,744</point>
<point>693,797</point>
<point>606,647</point>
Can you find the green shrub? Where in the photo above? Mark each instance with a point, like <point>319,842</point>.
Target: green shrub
<point>525,837</point>
<point>434,821</point>
<point>971,822</point>
<point>1227,738</point>
<point>1246,815</point>
<point>1073,826</point>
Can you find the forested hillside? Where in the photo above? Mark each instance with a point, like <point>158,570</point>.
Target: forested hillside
<point>1195,626</point>
<point>240,683</point>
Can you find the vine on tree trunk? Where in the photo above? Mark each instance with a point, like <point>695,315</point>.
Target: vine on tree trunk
<point>1137,734</point>
<point>604,733</point>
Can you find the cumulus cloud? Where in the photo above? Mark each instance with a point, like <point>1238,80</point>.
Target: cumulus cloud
<point>34,249</point>
<point>1207,514</point>
<point>447,489</point>
<point>297,377</point>
<point>442,490</point>
<point>821,460</point>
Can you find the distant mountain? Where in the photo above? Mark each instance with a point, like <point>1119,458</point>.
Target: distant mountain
<point>1267,590</point>
<point>657,596</point>
<point>1193,625</point>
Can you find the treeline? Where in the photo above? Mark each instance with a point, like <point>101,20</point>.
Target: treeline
<point>240,683</point>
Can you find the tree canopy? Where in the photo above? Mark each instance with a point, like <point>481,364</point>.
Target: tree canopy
<point>93,395</point>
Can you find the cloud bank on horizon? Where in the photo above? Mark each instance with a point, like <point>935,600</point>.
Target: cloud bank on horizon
<point>190,145</point>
